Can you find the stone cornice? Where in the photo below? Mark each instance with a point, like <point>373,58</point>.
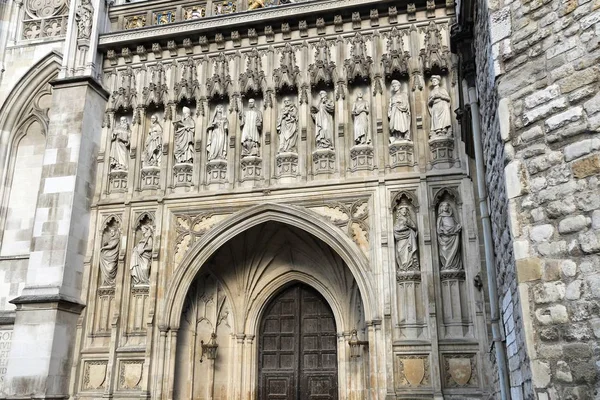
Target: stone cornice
<point>242,18</point>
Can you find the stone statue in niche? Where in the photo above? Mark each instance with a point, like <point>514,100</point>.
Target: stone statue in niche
<point>109,256</point>
<point>439,109</point>
<point>153,145</point>
<point>360,113</point>
<point>119,152</point>
<point>399,114</point>
<point>448,231</point>
<point>217,135</point>
<point>323,116</point>
<point>251,123</point>
<point>184,138</point>
<point>287,127</point>
<point>141,257</point>
<point>83,16</point>
<point>405,234</point>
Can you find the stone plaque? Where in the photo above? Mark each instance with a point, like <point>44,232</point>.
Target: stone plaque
<point>130,375</point>
<point>414,370</point>
<point>94,376</point>
<point>5,342</point>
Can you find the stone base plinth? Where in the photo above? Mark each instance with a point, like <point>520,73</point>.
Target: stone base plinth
<point>324,161</point>
<point>402,154</point>
<point>442,149</point>
<point>117,181</point>
<point>216,171</point>
<point>251,168</point>
<point>183,174</point>
<point>361,157</point>
<point>287,165</point>
<point>150,178</point>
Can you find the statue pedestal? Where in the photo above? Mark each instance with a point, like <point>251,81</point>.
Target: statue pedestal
<point>287,165</point>
<point>401,154</point>
<point>251,168</point>
<point>361,157</point>
<point>117,181</point>
<point>216,171</point>
<point>324,161</point>
<point>150,178</point>
<point>183,174</point>
<point>442,149</point>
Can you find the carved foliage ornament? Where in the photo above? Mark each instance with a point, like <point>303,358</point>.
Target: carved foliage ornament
<point>190,228</point>
<point>395,61</point>
<point>218,85</point>
<point>125,97</point>
<point>435,57</point>
<point>358,66</point>
<point>157,90</point>
<point>460,370</point>
<point>188,86</point>
<point>252,81</point>
<point>322,71</point>
<point>286,76</point>
<point>413,370</point>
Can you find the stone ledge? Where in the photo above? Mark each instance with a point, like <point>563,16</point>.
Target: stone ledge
<point>53,301</point>
<point>75,81</point>
<point>241,18</point>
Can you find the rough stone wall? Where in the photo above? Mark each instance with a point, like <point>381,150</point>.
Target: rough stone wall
<point>540,67</point>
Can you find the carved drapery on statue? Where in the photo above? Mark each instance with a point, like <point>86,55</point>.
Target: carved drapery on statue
<point>109,255</point>
<point>360,113</point>
<point>323,117</point>
<point>439,109</point>
<point>405,235</point>
<point>119,151</point>
<point>251,123</point>
<point>287,127</point>
<point>399,114</point>
<point>217,135</point>
<point>153,145</point>
<point>184,138</point>
<point>83,16</point>
<point>141,256</point>
<point>448,231</point>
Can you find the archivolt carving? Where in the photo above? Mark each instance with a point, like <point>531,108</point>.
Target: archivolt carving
<point>218,85</point>
<point>252,81</point>
<point>352,218</point>
<point>359,65</point>
<point>286,76</point>
<point>188,87</point>
<point>395,61</point>
<point>435,57</point>
<point>125,97</point>
<point>157,90</point>
<point>191,227</point>
<point>322,71</point>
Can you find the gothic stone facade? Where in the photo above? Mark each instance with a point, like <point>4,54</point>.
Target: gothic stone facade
<point>271,199</point>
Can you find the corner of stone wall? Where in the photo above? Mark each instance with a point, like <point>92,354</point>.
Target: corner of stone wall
<point>538,73</point>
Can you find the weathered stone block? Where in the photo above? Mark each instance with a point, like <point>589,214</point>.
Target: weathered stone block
<point>529,269</point>
<point>590,242</point>
<point>573,224</point>
<point>544,110</point>
<point>541,233</point>
<point>542,96</point>
<point>586,167</point>
<point>516,180</point>
<point>568,268</point>
<point>564,118</point>
<point>556,314</point>
<point>574,290</point>
<point>549,292</point>
<point>581,148</point>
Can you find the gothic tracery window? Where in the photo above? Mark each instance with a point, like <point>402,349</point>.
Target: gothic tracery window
<point>44,19</point>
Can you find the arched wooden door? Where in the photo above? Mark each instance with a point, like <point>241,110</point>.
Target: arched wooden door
<point>297,347</point>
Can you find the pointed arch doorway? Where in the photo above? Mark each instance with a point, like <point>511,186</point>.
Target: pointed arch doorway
<point>297,347</point>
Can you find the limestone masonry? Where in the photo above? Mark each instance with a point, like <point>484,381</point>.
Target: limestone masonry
<point>286,199</point>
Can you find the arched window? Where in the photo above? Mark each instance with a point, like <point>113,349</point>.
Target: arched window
<point>26,168</point>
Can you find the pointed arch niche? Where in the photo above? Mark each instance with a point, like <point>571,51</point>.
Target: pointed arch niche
<point>23,125</point>
<point>230,292</point>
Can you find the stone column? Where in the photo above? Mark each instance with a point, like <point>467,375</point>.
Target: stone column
<point>48,309</point>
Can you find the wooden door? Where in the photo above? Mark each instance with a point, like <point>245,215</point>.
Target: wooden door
<point>297,348</point>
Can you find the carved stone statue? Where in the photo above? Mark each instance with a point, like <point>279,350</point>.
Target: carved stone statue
<point>323,116</point>
<point>439,109</point>
<point>287,127</point>
<point>109,256</point>
<point>217,135</point>
<point>141,257</point>
<point>83,16</point>
<point>448,231</point>
<point>254,4</point>
<point>399,114</point>
<point>405,233</point>
<point>119,151</point>
<point>251,123</point>
<point>360,113</point>
<point>153,145</point>
<point>184,138</point>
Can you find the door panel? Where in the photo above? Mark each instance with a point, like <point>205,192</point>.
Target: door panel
<point>297,347</point>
